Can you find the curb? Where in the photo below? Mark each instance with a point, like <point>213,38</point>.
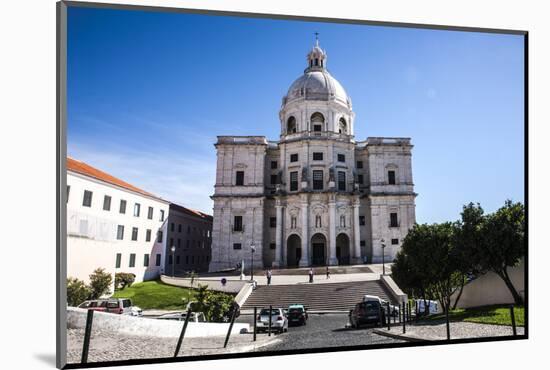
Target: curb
<point>407,338</point>
<point>253,347</point>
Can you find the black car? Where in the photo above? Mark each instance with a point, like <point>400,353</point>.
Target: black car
<point>297,314</point>
<point>369,312</point>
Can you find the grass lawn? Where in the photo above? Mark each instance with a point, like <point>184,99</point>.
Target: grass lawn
<point>155,295</point>
<point>498,315</point>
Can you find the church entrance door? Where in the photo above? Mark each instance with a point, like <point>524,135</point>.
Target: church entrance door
<point>318,246</point>
<point>343,249</point>
<point>293,251</point>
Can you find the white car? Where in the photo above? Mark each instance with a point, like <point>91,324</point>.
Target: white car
<point>431,306</point>
<point>279,320</point>
<point>180,316</point>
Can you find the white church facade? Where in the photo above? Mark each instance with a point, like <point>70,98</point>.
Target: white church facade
<point>317,196</point>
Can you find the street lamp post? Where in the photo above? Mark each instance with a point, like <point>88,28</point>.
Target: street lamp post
<point>173,249</point>
<point>383,257</point>
<point>252,250</point>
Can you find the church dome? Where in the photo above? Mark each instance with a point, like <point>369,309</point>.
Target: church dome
<point>317,83</point>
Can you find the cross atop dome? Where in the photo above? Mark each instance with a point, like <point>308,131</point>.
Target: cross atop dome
<point>317,57</point>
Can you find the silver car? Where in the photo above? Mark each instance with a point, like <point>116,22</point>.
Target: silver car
<point>180,316</point>
<point>279,320</point>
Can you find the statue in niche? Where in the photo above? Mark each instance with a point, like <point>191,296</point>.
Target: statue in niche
<point>304,174</point>
<point>331,174</point>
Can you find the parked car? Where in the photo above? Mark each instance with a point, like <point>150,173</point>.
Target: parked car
<point>369,312</point>
<point>96,305</point>
<point>297,314</point>
<point>123,306</point>
<point>180,316</point>
<point>279,321</point>
<point>432,307</point>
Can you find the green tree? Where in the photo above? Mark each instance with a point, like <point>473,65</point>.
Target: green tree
<point>124,279</point>
<point>214,305</point>
<point>467,241</point>
<point>426,265</point>
<point>503,243</point>
<point>77,292</point>
<point>100,282</point>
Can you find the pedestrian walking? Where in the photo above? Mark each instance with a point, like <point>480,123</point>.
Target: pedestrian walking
<point>328,273</point>
<point>268,275</point>
<point>311,275</point>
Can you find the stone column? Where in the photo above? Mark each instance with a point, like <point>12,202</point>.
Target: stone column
<point>278,236</point>
<point>332,231</point>
<point>356,234</point>
<point>304,261</point>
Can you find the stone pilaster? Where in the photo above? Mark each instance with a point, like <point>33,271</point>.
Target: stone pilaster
<point>356,234</point>
<point>278,236</point>
<point>304,261</point>
<point>332,231</point>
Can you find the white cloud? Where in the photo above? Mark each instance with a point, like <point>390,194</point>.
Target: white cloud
<point>175,176</point>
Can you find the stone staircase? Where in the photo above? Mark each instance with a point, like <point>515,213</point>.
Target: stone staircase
<point>316,297</point>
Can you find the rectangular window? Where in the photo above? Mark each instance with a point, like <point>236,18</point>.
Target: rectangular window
<point>177,259</point>
<point>341,181</point>
<point>161,215</point>
<point>238,223</point>
<point>132,260</point>
<point>317,128</point>
<point>272,246</point>
<point>137,207</point>
<point>360,179</point>
<point>294,181</point>
<point>391,177</point>
<point>192,259</point>
<point>359,164</point>
<point>273,222</point>
<point>273,165</point>
<point>118,260</point>
<point>159,236</point>
<point>148,235</point>
<point>317,156</point>
<point>150,213</point>
<point>171,242</point>
<point>120,232</point>
<point>68,192</point>
<point>294,157</point>
<point>172,226</point>
<point>146,260</point>
<point>179,228</point>
<point>170,259</point>
<point>395,241</point>
<point>106,203</point>
<point>273,179</point>
<point>239,178</point>
<point>186,260</point>
<point>188,229</point>
<point>158,257</point>
<point>236,245</point>
<point>122,207</point>
<point>317,180</point>
<point>341,158</point>
<point>362,243</point>
<point>87,202</point>
<point>179,243</point>
<point>393,220</point>
<point>134,233</point>
<point>361,220</point>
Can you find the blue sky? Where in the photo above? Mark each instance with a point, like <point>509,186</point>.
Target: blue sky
<point>149,92</point>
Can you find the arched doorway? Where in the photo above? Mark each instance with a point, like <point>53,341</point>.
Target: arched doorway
<point>293,250</point>
<point>342,249</point>
<point>318,250</point>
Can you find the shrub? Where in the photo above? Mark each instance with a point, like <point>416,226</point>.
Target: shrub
<point>100,281</point>
<point>77,292</point>
<point>215,306</point>
<point>124,279</point>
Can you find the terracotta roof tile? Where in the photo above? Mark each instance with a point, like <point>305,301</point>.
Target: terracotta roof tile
<point>87,170</point>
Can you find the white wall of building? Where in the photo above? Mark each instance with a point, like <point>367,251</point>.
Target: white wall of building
<point>92,231</point>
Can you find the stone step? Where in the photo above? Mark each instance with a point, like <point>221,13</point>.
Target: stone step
<point>326,296</point>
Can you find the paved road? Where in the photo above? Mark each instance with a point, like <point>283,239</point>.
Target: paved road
<point>323,331</point>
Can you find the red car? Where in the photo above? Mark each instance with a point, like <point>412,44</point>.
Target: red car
<point>96,305</point>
